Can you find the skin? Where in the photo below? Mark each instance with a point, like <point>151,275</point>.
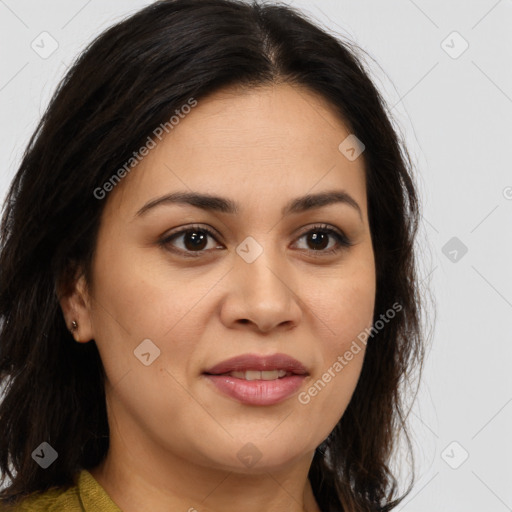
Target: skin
<point>174,437</point>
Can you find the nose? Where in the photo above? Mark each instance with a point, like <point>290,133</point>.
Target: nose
<point>262,295</point>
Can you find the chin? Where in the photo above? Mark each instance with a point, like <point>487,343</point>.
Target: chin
<point>260,457</point>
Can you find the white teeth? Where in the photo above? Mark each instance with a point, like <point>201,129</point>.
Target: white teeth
<point>259,375</point>
<point>255,375</point>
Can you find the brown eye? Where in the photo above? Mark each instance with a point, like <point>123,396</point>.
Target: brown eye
<point>190,240</point>
<point>319,241</point>
<point>195,240</point>
<point>319,237</point>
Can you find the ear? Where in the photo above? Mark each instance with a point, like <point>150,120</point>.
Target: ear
<point>75,304</point>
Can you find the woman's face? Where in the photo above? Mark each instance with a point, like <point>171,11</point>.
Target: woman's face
<point>164,310</point>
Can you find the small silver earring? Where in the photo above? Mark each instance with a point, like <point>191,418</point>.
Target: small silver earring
<point>74,325</point>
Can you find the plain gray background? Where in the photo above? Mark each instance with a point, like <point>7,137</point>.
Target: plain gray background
<point>454,108</point>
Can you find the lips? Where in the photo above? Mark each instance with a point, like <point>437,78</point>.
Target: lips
<point>257,380</point>
<point>250,363</point>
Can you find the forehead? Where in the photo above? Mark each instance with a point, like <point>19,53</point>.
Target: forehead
<point>271,142</point>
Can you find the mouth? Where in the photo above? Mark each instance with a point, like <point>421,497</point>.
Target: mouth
<point>258,380</point>
<point>257,375</point>
<point>255,366</point>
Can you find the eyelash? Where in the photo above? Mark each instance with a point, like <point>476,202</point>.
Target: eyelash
<point>342,241</point>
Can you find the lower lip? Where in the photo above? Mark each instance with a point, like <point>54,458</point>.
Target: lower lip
<point>257,392</point>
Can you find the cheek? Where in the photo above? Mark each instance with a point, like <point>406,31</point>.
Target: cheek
<point>134,303</point>
<point>345,307</point>
<point>344,311</point>
<point>137,300</point>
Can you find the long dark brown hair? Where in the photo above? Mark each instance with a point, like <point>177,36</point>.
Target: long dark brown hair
<point>130,80</point>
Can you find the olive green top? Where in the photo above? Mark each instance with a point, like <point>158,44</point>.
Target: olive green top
<point>86,496</point>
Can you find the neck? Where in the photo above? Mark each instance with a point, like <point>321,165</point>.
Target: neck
<point>135,482</point>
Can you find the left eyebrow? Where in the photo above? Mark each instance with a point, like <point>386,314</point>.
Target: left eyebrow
<point>225,205</point>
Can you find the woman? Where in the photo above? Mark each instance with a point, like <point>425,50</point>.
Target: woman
<point>208,288</point>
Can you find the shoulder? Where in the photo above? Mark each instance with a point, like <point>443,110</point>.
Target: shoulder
<point>52,500</point>
<point>86,496</point>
